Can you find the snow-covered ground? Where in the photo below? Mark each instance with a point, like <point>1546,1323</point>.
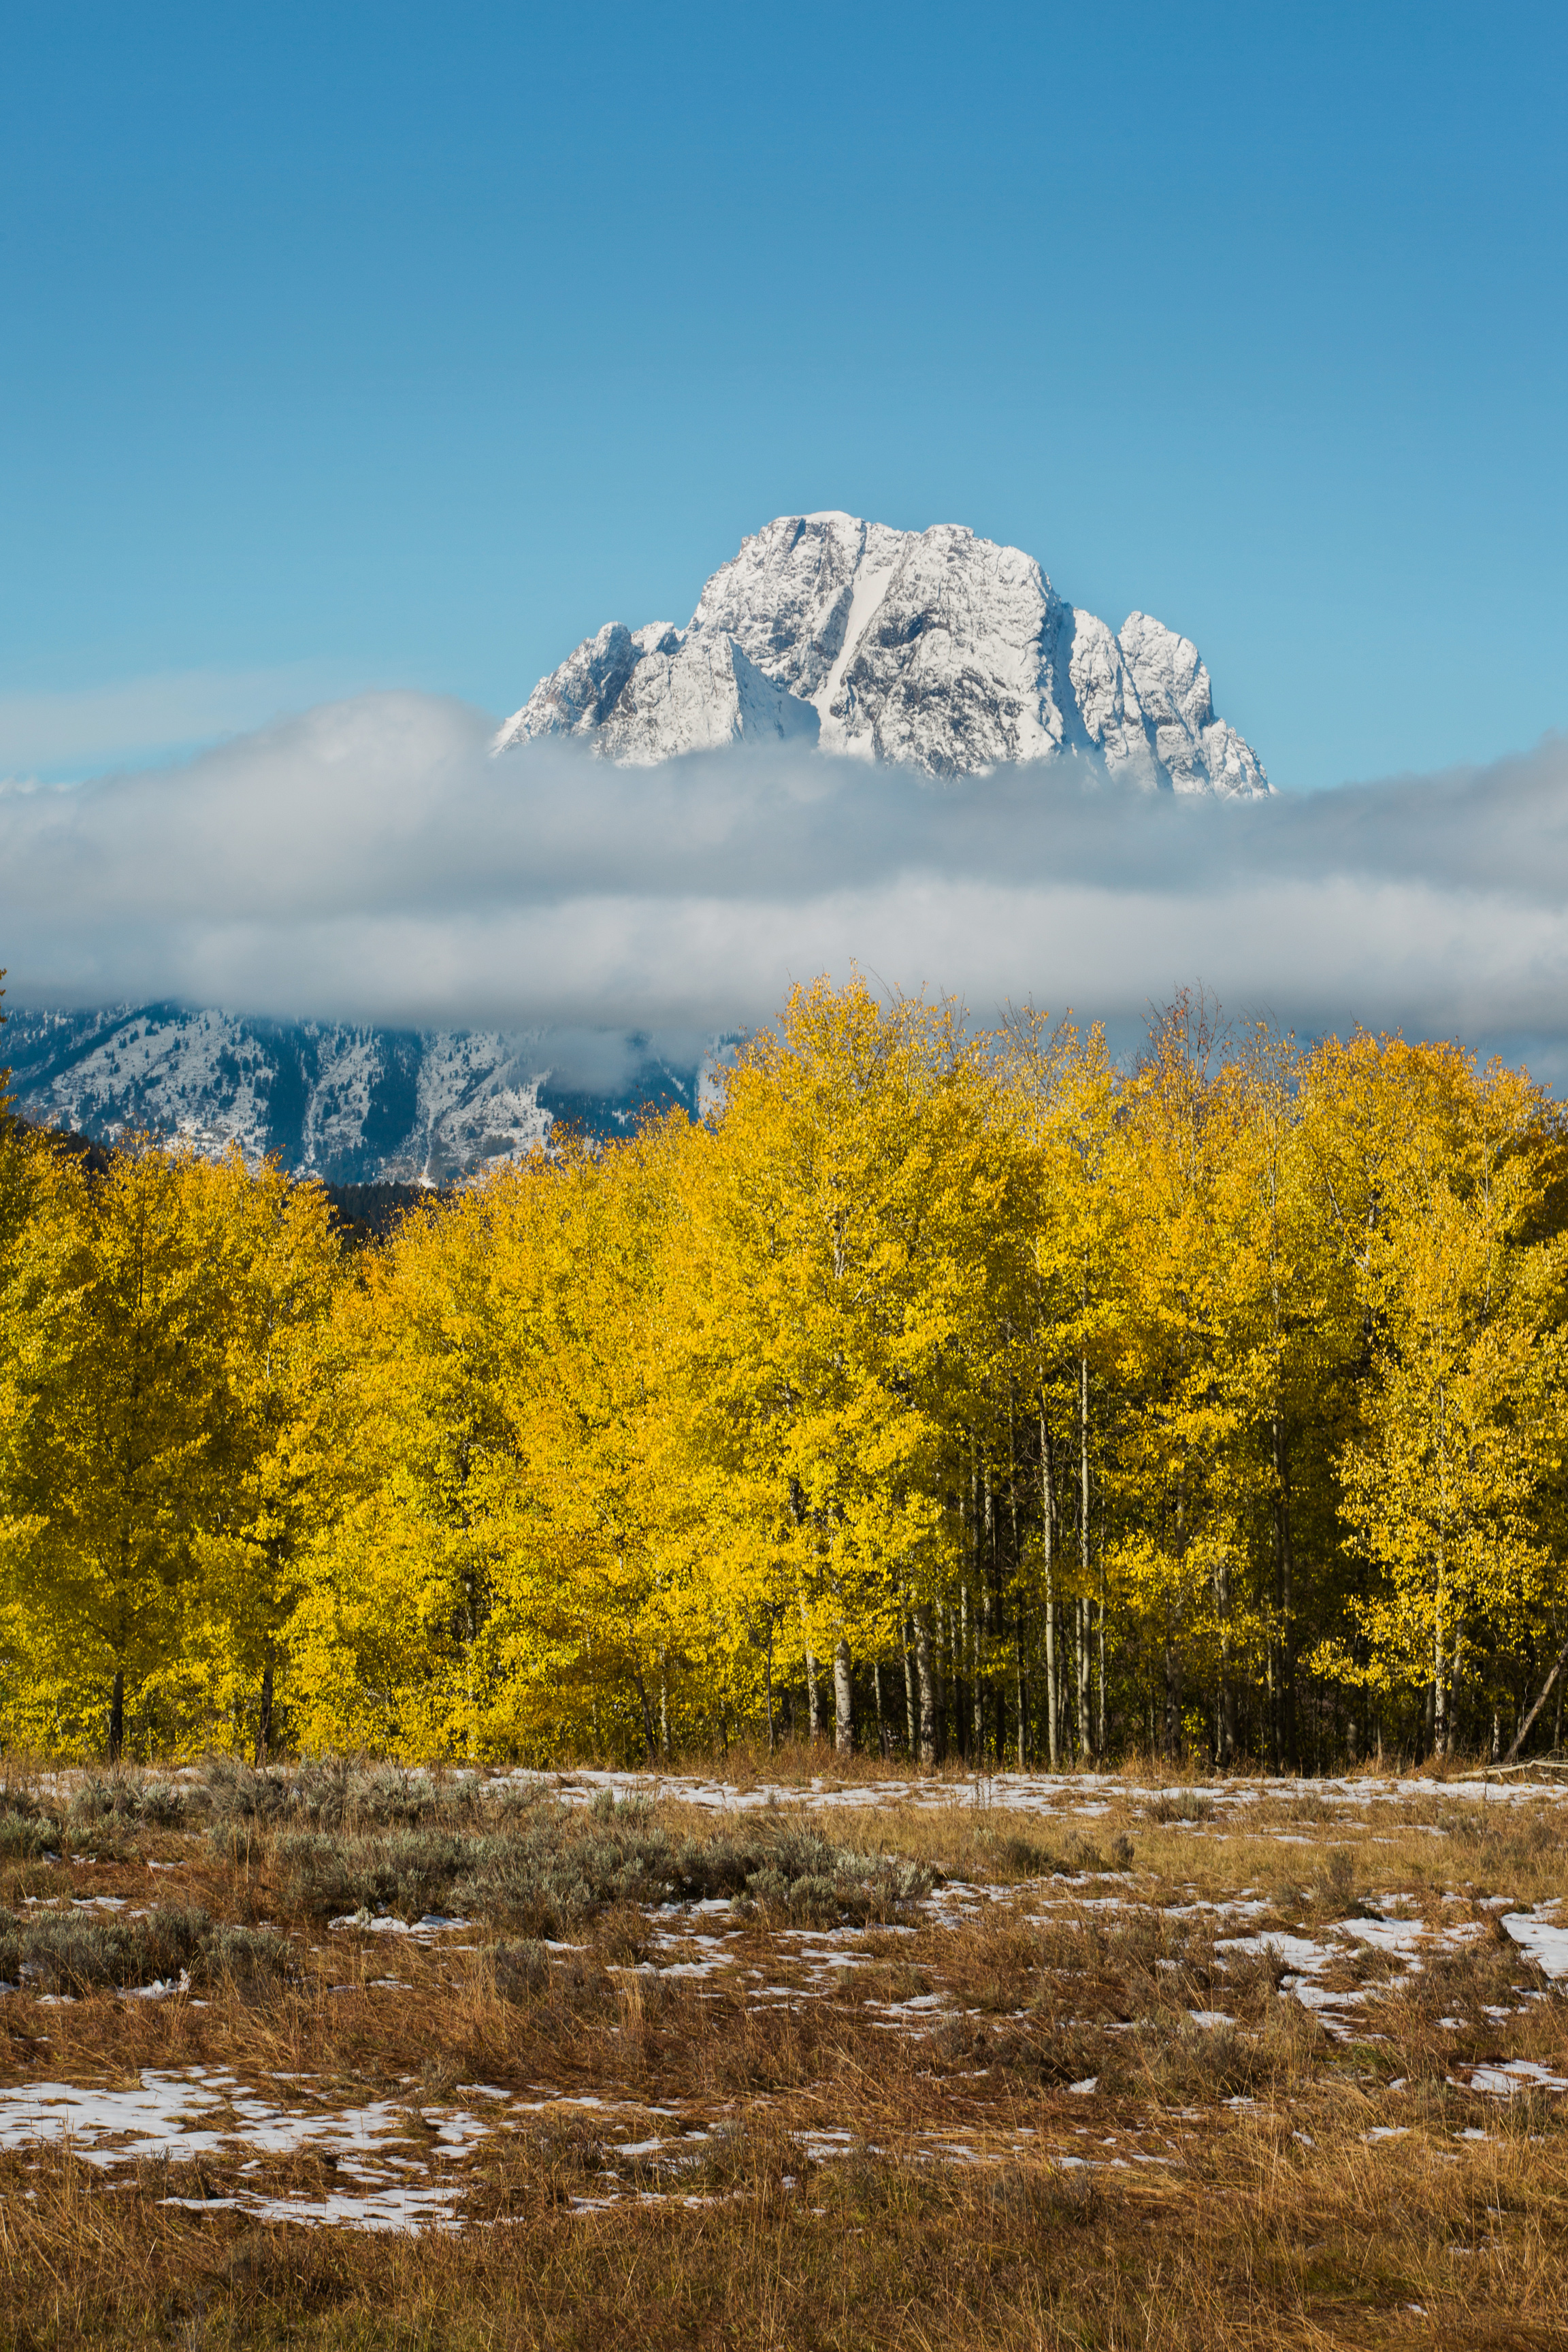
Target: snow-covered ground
<point>1043,1793</point>
<point>411,2158</point>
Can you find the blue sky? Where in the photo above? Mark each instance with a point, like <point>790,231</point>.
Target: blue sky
<point>353,346</point>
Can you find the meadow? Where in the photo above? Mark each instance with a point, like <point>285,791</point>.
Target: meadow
<point>806,2053</point>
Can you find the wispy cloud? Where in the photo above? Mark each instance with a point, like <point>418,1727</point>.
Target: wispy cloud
<point>142,719</point>
<point>369,861</point>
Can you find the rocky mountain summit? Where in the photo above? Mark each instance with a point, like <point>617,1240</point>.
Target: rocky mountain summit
<point>935,649</point>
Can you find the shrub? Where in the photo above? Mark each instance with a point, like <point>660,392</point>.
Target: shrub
<point>409,1871</point>
<point>521,1968</point>
<point>1180,1805</point>
<point>77,1951</point>
<point>240,1797</point>
<point>122,1798</point>
<point>27,1835</point>
<point>246,1955</point>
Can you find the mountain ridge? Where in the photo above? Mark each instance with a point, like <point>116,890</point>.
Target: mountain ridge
<point>351,1105</point>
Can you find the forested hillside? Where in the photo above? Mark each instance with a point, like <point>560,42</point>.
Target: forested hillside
<point>966,1394</point>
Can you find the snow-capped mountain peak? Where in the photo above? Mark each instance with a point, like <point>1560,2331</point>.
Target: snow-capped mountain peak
<point>936,649</point>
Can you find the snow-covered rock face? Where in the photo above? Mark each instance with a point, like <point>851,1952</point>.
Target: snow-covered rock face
<point>697,694</point>
<point>933,648</point>
<point>646,695</point>
<point>352,1106</point>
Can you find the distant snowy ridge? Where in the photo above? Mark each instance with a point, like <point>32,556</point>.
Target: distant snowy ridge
<point>934,649</point>
<point>349,1105</point>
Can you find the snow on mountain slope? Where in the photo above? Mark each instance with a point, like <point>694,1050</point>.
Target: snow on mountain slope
<point>648,696</point>
<point>352,1106</point>
<point>935,649</point>
<point>697,694</point>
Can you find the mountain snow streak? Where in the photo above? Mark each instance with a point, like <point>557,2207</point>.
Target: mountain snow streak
<point>935,649</point>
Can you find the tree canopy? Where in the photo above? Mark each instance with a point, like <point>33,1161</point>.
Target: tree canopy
<point>966,1394</point>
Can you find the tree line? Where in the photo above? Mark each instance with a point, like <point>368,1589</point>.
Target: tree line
<point>966,1395</point>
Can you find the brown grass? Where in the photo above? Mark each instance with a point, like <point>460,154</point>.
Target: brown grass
<point>822,2166</point>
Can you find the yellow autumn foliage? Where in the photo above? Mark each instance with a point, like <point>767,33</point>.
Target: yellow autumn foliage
<point>967,1393</point>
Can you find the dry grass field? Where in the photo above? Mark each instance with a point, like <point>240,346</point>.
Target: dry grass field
<point>341,2056</point>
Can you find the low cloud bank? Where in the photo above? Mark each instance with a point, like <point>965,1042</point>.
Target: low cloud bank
<point>370,862</point>
<point>143,720</point>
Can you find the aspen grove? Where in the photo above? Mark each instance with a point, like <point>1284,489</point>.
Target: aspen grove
<point>968,1395</point>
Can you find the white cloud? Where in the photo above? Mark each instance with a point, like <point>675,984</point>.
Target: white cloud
<point>369,861</point>
<point>141,717</point>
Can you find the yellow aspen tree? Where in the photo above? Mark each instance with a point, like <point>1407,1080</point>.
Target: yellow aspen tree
<point>385,1640</point>
<point>278,1448</point>
<point>39,1269</point>
<point>1434,1172</point>
<point>838,1187</point>
<point>1201,1266</point>
<point>1066,1096</point>
<point>1294,1389</point>
<point>595,1596</point>
<point>117,1452</point>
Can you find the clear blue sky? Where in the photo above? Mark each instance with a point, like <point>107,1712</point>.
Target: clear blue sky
<point>350,345</point>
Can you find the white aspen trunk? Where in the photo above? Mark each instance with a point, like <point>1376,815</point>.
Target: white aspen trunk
<point>1065,1646</point>
<point>927,1689</point>
<point>1100,1740</point>
<point>1271,1698</point>
<point>909,1690</point>
<point>1017,1586</point>
<point>1440,1666</point>
<point>264,1713</point>
<point>1049,1515</point>
<point>985,1554</point>
<point>1440,1711</point>
<point>1225,1742</point>
<point>647,1717</point>
<point>813,1698</point>
<point>1085,1740</point>
<point>958,1620</point>
<point>843,1698</point>
<point>664,1708</point>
